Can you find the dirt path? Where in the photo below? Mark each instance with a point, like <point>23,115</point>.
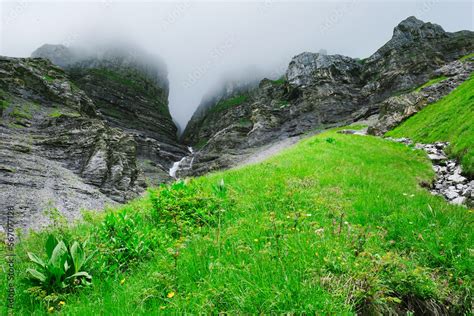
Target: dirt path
<point>267,151</point>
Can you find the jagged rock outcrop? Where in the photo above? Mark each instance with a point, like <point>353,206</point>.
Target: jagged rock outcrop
<point>130,89</point>
<point>56,151</point>
<point>320,91</point>
<point>396,109</point>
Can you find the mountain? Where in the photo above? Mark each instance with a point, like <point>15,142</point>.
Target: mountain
<point>320,91</point>
<point>92,130</point>
<point>97,122</point>
<point>56,150</point>
<point>130,89</point>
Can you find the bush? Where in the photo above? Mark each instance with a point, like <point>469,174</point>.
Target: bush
<point>124,239</point>
<point>182,206</point>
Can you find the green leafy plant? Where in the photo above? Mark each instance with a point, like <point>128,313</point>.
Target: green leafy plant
<point>63,268</point>
<point>183,206</point>
<point>124,239</point>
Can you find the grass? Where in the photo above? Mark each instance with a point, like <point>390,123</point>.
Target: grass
<point>337,224</point>
<point>21,113</point>
<point>245,122</point>
<point>450,119</point>
<point>4,104</point>
<point>56,113</point>
<point>229,103</point>
<point>202,142</point>
<point>467,57</point>
<point>279,81</point>
<point>48,78</point>
<point>431,82</point>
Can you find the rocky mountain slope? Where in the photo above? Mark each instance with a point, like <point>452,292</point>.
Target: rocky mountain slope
<point>130,89</point>
<point>96,131</point>
<point>319,91</point>
<point>56,150</point>
<point>95,128</point>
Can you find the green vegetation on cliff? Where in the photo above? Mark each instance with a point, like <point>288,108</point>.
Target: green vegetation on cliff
<point>431,82</point>
<point>450,119</point>
<point>337,224</point>
<point>229,103</point>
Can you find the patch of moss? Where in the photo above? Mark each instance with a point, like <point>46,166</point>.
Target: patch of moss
<point>55,113</point>
<point>21,113</point>
<point>245,122</point>
<point>229,103</point>
<point>58,113</point>
<point>48,78</point>
<point>431,82</point>
<point>201,143</point>
<point>467,58</point>
<point>280,81</point>
<point>4,104</point>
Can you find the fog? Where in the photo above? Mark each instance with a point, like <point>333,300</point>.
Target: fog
<point>204,42</point>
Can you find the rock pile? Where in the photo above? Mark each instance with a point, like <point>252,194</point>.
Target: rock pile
<point>450,182</point>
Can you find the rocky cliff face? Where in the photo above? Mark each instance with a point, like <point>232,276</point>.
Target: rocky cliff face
<point>130,90</point>
<point>321,91</point>
<point>55,149</point>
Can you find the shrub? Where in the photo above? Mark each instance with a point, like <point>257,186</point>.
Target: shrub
<point>124,239</point>
<point>182,206</point>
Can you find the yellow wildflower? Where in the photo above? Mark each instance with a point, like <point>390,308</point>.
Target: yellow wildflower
<point>170,294</point>
<point>51,309</point>
<point>62,303</point>
<point>122,281</point>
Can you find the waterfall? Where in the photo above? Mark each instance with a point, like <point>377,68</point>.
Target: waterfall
<point>185,163</point>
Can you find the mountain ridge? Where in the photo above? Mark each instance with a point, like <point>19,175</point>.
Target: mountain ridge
<point>319,91</point>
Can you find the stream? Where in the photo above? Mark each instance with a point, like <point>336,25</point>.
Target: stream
<point>185,163</point>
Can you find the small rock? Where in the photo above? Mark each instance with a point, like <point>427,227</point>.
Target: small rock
<point>451,195</point>
<point>436,157</point>
<point>459,200</point>
<point>457,178</point>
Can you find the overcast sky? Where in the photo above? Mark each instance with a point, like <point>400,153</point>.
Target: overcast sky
<point>201,41</point>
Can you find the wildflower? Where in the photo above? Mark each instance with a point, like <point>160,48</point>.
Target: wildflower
<point>51,309</point>
<point>62,303</point>
<point>170,295</point>
<point>122,281</point>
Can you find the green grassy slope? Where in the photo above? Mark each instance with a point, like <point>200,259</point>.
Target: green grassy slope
<point>334,225</point>
<point>450,119</point>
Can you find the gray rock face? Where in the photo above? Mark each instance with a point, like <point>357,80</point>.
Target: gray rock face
<point>322,91</point>
<point>58,54</point>
<point>56,150</point>
<point>309,68</point>
<point>396,109</point>
<point>130,89</point>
